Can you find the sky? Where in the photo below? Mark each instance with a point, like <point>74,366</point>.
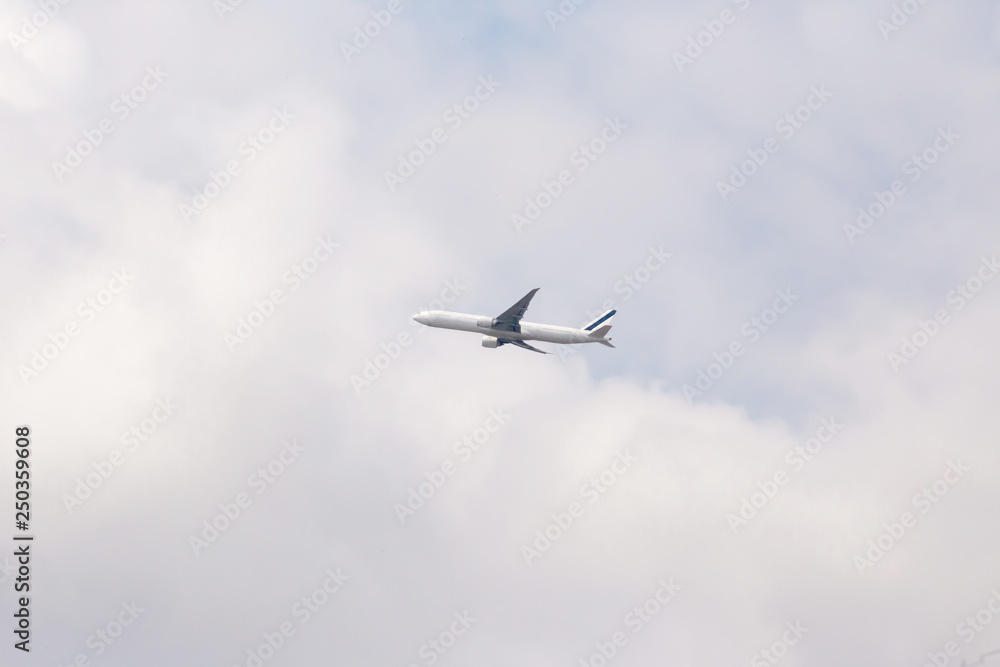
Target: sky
<point>218,218</point>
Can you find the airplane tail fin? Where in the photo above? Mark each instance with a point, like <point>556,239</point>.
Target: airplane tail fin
<point>599,321</point>
<point>599,328</point>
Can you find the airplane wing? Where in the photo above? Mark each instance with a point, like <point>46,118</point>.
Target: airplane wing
<point>510,319</point>
<point>521,343</point>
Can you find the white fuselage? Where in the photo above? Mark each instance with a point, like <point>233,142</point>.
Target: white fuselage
<point>481,324</point>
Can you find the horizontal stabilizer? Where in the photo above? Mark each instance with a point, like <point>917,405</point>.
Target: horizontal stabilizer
<point>600,332</point>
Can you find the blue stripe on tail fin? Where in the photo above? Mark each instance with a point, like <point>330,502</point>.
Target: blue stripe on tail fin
<point>600,320</point>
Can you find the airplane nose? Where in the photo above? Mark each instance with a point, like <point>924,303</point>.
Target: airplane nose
<point>420,317</point>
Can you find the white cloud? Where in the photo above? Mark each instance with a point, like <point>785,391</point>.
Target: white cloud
<point>663,517</point>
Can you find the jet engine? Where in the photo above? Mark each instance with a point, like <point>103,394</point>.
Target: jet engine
<point>490,341</point>
<point>487,324</point>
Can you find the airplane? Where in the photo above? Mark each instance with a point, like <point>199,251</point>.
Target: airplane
<point>508,329</point>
